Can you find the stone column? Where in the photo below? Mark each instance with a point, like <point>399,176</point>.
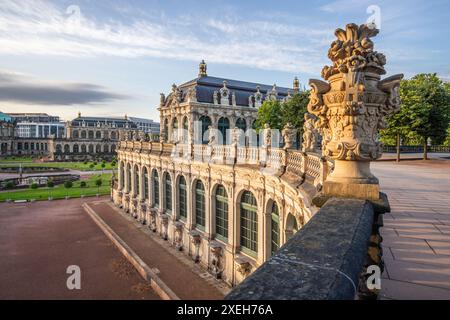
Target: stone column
<point>352,106</point>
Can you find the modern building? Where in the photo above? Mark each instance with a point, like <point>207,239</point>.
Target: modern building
<point>146,125</point>
<point>228,206</point>
<point>33,117</point>
<point>40,129</point>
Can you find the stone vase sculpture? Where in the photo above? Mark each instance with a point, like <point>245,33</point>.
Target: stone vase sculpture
<point>352,106</point>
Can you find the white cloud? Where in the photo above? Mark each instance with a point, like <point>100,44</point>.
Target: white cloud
<point>41,28</point>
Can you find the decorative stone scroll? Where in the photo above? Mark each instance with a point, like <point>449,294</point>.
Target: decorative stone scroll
<point>352,107</point>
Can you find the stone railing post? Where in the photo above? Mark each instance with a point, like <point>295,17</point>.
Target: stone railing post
<point>351,108</point>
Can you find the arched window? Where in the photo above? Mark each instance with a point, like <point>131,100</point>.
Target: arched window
<point>113,148</point>
<point>249,223</point>
<point>98,135</point>
<point>122,175</point>
<point>185,129</point>
<point>167,192</point>
<point>129,174</point>
<point>206,122</point>
<point>146,188</point>
<point>91,134</point>
<point>76,134</point>
<point>113,135</point>
<point>83,134</point>
<point>105,148</point>
<point>274,229</point>
<point>182,197</point>
<point>240,123</point>
<point>83,148</point>
<point>91,148</point>
<point>76,149</point>
<point>66,148</point>
<point>58,148</point>
<point>223,126</point>
<point>291,226</point>
<point>98,148</point>
<point>200,205</point>
<point>155,182</point>
<point>174,127</point>
<point>221,212</point>
<point>136,180</point>
<point>166,129</point>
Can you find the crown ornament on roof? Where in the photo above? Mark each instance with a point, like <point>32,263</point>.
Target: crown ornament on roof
<point>202,69</point>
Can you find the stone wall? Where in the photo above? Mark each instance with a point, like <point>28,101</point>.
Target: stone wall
<point>326,259</point>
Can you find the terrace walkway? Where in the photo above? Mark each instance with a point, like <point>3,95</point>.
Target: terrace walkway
<point>417,231</point>
<point>176,270</point>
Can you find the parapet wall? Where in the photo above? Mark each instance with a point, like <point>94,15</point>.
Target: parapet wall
<point>326,259</point>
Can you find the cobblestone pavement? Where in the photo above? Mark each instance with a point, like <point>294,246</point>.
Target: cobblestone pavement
<point>38,241</point>
<point>417,231</point>
<point>178,272</point>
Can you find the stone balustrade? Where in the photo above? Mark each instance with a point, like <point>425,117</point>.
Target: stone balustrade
<point>310,166</point>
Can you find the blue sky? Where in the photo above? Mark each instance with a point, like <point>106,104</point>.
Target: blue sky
<point>114,57</point>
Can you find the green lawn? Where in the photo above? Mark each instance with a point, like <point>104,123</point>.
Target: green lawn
<point>12,159</point>
<point>69,165</point>
<point>59,192</point>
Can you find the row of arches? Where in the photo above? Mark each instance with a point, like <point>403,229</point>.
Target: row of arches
<point>223,125</point>
<point>192,202</point>
<point>95,134</point>
<point>83,148</point>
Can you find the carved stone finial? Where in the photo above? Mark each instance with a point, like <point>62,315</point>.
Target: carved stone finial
<point>351,107</point>
<point>224,94</point>
<point>79,114</point>
<point>202,69</point>
<point>289,134</point>
<point>296,85</point>
<point>258,97</point>
<point>126,117</point>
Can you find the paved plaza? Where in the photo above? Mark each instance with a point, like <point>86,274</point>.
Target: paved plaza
<point>38,241</point>
<point>417,231</point>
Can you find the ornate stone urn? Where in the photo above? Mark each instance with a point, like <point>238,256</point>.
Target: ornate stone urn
<point>352,106</point>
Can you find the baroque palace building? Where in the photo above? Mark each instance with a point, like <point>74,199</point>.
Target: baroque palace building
<point>83,138</point>
<point>207,189</point>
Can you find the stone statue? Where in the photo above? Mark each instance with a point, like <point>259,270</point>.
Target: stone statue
<point>211,136</point>
<point>224,94</point>
<point>162,99</point>
<point>233,99</point>
<point>250,101</point>
<point>310,134</point>
<point>141,135</point>
<point>267,136</point>
<point>258,97</point>
<point>192,95</point>
<point>289,134</point>
<point>352,106</point>
<point>272,94</point>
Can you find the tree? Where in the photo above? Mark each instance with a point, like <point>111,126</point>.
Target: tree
<point>269,113</point>
<point>424,112</point>
<point>34,186</point>
<point>447,139</point>
<point>50,185</point>
<point>83,184</point>
<point>68,184</point>
<point>98,183</point>
<point>293,111</point>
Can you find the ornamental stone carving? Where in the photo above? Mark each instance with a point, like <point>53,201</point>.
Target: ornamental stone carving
<point>224,94</point>
<point>272,95</point>
<point>310,134</point>
<point>258,97</point>
<point>352,106</point>
<point>289,134</point>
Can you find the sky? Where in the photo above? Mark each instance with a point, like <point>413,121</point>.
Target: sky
<point>114,57</point>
